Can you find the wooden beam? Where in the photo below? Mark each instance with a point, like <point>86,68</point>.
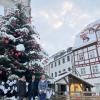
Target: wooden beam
<point>66,81</point>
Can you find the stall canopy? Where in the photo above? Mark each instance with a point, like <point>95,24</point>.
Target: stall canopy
<point>72,82</point>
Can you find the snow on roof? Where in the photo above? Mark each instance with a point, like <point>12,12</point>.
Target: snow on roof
<point>66,74</point>
<point>93,24</point>
<point>82,45</point>
<point>86,36</point>
<point>36,62</point>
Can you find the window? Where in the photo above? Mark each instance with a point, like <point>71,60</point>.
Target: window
<point>59,62</point>
<point>60,71</point>
<point>64,70</point>
<point>91,54</point>
<point>52,65</point>
<point>95,69</point>
<point>98,33</point>
<point>63,60</point>
<point>81,57</point>
<point>55,64</point>
<point>55,74</point>
<point>52,75</point>
<point>68,58</point>
<point>83,71</point>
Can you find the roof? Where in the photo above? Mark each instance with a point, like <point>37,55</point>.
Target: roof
<point>87,35</point>
<point>85,45</point>
<point>67,74</point>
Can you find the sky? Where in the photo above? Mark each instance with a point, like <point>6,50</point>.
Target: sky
<point>59,21</point>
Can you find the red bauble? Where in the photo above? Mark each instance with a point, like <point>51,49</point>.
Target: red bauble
<point>16,54</point>
<point>12,52</point>
<point>1,72</point>
<point>6,40</point>
<point>19,53</point>
<point>15,34</point>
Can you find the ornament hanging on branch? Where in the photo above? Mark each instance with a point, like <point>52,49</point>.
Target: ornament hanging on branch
<point>6,40</point>
<point>17,33</point>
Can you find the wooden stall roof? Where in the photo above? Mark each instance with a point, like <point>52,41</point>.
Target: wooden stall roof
<point>61,77</point>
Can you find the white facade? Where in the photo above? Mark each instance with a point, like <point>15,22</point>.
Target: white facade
<point>86,54</point>
<point>59,63</point>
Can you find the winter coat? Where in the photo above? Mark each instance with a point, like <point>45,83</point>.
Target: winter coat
<point>33,88</point>
<point>21,87</point>
<point>28,75</point>
<point>42,86</point>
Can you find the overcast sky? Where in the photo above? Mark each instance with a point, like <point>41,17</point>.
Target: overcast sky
<point>58,21</point>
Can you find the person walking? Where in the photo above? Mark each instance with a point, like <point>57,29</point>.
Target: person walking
<point>32,88</point>
<point>21,88</point>
<point>42,87</point>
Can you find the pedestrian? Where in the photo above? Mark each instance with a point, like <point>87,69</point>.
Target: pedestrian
<point>28,74</point>
<point>32,88</point>
<point>21,88</point>
<point>42,87</point>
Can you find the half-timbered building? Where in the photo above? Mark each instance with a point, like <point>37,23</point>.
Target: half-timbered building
<point>86,54</point>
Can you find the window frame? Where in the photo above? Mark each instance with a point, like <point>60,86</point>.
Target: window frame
<point>51,65</point>
<point>91,54</point>
<point>83,71</point>
<point>63,60</point>
<point>81,56</point>
<point>56,74</point>
<point>68,58</point>
<point>95,69</point>
<point>51,74</point>
<point>59,62</point>
<point>55,64</point>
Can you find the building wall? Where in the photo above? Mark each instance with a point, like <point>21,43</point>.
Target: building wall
<point>59,66</point>
<point>86,57</point>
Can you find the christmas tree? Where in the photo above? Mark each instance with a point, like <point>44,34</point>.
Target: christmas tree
<point>20,49</point>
